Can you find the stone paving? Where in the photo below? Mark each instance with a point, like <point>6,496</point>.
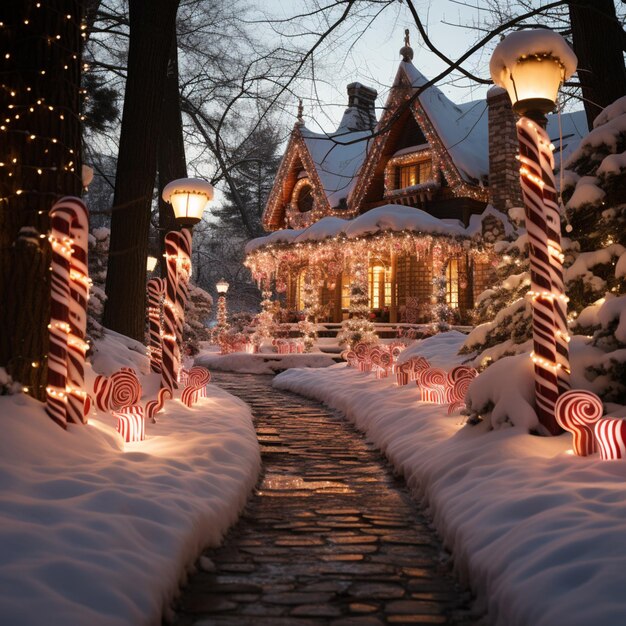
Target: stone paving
<point>330,536</point>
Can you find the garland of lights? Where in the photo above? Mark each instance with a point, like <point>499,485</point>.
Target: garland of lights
<point>27,108</point>
<point>273,216</point>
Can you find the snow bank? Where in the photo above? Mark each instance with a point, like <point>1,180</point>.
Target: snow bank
<point>537,532</point>
<point>95,531</point>
<point>269,363</point>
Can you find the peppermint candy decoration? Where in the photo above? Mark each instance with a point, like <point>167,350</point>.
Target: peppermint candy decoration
<point>131,423</point>
<point>432,384</point>
<point>610,433</point>
<point>120,390</point>
<point>578,412</point>
<point>199,378</point>
<point>154,406</point>
<point>461,378</point>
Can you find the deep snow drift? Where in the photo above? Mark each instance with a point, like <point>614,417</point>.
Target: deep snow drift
<point>537,532</point>
<point>95,531</point>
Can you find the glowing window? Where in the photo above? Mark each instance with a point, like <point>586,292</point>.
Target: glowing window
<point>345,290</point>
<point>379,287</point>
<point>452,283</point>
<point>413,174</point>
<point>300,291</point>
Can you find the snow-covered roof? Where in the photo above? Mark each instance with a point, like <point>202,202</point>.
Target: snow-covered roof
<point>396,217</point>
<point>287,235</point>
<point>337,159</point>
<point>462,128</point>
<point>323,229</point>
<point>387,218</point>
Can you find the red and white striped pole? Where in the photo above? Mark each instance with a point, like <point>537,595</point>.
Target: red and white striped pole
<point>156,292</point>
<point>549,302</point>
<point>66,399</point>
<point>178,257</point>
<point>170,359</point>
<point>531,64</point>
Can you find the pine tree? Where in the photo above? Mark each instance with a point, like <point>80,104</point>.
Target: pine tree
<point>358,328</point>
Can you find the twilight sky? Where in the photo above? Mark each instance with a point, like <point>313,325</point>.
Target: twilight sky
<point>372,58</point>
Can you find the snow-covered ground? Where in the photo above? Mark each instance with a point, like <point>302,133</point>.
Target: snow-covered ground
<point>95,531</point>
<point>537,532</point>
<point>265,362</point>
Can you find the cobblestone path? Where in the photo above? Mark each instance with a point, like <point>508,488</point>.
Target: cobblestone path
<point>329,536</point>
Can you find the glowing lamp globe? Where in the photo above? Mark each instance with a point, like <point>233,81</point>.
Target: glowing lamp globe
<point>222,286</point>
<point>151,263</point>
<point>188,197</point>
<point>531,65</point>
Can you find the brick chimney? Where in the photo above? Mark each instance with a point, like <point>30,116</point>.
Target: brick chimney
<point>504,185</point>
<point>361,113</point>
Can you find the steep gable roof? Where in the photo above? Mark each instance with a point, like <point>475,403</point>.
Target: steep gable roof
<point>296,154</point>
<point>331,161</point>
<point>446,127</point>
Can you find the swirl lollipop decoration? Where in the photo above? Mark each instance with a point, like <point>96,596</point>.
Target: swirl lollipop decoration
<point>610,433</point>
<point>131,423</point>
<point>432,384</point>
<point>198,379</point>
<point>578,411</point>
<point>121,389</point>
<point>154,406</point>
<point>460,378</point>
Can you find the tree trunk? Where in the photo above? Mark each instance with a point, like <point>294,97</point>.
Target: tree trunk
<point>152,24</point>
<point>598,43</point>
<point>41,162</point>
<point>171,158</point>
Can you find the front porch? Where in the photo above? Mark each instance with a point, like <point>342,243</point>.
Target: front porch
<point>411,267</point>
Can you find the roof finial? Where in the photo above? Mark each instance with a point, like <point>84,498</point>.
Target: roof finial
<point>300,120</point>
<point>406,51</point>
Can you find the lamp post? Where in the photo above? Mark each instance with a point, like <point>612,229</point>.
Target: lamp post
<point>222,324</point>
<point>188,197</point>
<point>531,65</point>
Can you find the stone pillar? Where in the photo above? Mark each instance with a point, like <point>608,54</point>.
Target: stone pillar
<point>504,185</point>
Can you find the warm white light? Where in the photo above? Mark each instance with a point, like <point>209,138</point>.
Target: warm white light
<point>188,197</point>
<point>222,286</point>
<point>151,263</point>
<point>531,65</point>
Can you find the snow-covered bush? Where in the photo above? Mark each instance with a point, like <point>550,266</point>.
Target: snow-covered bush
<point>594,191</point>
<point>197,314</point>
<point>99,239</point>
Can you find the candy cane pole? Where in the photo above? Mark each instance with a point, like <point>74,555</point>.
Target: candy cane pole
<point>60,228</point>
<point>156,291</point>
<point>550,337</point>
<point>66,399</point>
<point>183,268</point>
<point>79,294</point>
<point>170,360</point>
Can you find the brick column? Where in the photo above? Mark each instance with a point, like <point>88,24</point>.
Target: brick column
<point>504,185</point>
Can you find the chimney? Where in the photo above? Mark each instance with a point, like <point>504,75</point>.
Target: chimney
<point>360,114</point>
<point>504,186</point>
